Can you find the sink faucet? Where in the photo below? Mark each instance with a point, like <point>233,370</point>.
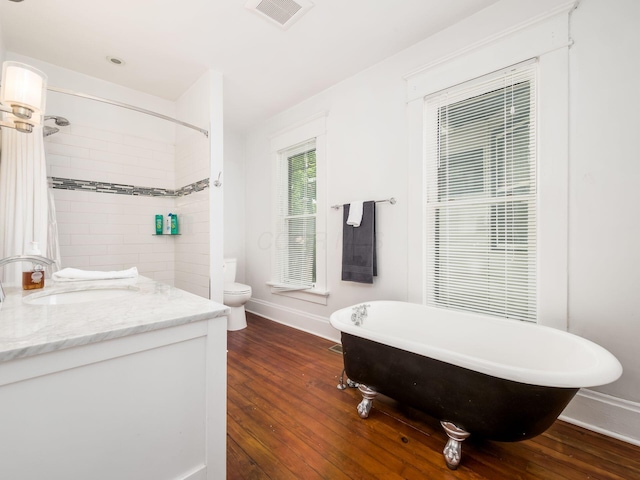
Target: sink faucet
<point>37,259</point>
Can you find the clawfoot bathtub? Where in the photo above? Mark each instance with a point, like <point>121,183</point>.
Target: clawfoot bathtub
<point>502,380</point>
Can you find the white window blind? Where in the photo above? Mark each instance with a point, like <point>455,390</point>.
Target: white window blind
<point>296,210</point>
<point>481,195</point>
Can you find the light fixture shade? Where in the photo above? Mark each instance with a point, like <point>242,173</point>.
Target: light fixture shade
<point>26,87</point>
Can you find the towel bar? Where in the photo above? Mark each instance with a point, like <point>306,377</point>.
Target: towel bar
<point>391,200</point>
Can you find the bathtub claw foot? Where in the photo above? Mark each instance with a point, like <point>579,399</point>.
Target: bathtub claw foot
<point>453,449</point>
<point>368,394</point>
<point>349,383</point>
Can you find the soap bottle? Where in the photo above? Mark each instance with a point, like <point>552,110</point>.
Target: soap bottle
<point>33,273</point>
<point>159,224</point>
<point>174,224</point>
<point>167,225</point>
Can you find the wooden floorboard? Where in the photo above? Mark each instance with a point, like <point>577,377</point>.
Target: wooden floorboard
<point>287,420</point>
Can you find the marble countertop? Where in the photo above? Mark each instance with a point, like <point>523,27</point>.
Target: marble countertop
<point>27,330</point>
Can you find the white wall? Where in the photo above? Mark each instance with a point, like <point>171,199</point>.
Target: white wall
<point>367,135</point>
<point>234,200</point>
<point>100,115</point>
<point>216,204</point>
<point>366,159</point>
<point>198,157</point>
<point>604,222</point>
<point>193,165</point>
<point>3,53</point>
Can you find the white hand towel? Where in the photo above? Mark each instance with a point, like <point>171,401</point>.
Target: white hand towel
<point>355,213</point>
<point>76,275</point>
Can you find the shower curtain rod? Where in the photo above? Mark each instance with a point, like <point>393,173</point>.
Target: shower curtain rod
<point>130,107</point>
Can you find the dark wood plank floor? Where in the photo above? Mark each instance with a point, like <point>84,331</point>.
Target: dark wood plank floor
<point>286,419</point>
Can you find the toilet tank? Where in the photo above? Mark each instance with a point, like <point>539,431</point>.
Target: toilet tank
<point>230,270</point>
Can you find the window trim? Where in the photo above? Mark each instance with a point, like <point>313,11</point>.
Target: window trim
<point>312,127</point>
<point>292,265</point>
<point>548,41</point>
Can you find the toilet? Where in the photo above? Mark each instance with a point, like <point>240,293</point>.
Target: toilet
<point>235,296</point>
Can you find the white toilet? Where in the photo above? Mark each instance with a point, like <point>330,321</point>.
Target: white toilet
<point>235,296</point>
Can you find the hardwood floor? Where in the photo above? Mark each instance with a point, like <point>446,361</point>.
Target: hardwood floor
<point>287,420</point>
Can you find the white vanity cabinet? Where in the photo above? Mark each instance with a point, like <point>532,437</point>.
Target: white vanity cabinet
<point>133,398</point>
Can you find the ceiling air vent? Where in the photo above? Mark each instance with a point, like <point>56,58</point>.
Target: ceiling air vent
<point>283,13</point>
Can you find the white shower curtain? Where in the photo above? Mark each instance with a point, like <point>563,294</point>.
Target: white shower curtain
<point>24,198</point>
<point>53,246</point>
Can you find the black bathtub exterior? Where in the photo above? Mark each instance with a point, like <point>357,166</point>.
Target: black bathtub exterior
<point>483,405</point>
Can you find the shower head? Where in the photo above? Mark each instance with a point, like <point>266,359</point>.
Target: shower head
<point>47,130</point>
<point>60,121</point>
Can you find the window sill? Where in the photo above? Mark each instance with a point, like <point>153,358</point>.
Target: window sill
<point>312,295</point>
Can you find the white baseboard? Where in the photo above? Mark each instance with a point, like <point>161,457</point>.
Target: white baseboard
<point>298,319</point>
<point>605,414</point>
<point>200,473</point>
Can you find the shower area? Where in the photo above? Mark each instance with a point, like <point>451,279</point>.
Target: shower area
<point>115,158</point>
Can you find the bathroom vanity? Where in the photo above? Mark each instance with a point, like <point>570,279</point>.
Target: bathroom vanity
<point>118,379</point>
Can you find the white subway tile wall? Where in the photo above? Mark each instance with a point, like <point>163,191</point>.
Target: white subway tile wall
<point>192,159</point>
<point>192,247</point>
<point>84,153</point>
<point>104,231</point>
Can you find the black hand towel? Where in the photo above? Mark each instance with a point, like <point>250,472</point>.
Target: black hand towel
<point>359,262</point>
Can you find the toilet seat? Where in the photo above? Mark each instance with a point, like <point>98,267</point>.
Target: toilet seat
<point>236,289</point>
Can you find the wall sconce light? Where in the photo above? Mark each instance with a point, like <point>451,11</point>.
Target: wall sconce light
<point>22,96</point>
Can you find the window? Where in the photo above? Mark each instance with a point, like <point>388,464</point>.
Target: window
<point>297,208</point>
<point>298,246</point>
<point>481,195</point>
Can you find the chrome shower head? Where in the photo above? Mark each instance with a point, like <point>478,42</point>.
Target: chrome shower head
<point>47,130</point>
<point>60,121</point>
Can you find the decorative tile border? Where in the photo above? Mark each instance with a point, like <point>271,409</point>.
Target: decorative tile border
<point>193,188</point>
<point>119,189</point>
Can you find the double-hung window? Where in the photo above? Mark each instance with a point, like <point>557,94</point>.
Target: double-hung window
<point>297,209</point>
<point>299,268</point>
<point>480,225</point>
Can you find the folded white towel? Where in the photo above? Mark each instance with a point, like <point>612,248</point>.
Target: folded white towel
<point>76,275</point>
<point>355,213</point>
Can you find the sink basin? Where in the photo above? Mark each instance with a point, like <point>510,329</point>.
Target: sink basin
<point>79,296</point>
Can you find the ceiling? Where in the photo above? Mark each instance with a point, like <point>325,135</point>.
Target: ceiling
<point>167,44</point>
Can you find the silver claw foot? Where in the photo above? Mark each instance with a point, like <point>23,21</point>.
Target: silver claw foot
<point>453,449</point>
<point>368,394</point>
<point>349,383</point>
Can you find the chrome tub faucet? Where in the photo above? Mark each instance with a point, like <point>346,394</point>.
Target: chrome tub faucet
<point>359,314</point>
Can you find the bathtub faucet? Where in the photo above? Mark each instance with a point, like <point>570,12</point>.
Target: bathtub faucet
<point>359,314</point>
